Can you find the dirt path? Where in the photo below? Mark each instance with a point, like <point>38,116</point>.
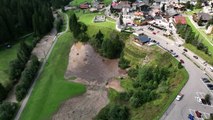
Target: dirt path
<point>94,71</point>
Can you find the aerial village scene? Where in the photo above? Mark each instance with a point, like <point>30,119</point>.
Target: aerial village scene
<point>106,60</point>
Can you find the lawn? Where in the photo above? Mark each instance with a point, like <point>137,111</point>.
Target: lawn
<point>78,2</point>
<point>8,55</point>
<point>93,28</point>
<point>52,89</point>
<point>204,37</point>
<point>154,56</point>
<point>193,11</point>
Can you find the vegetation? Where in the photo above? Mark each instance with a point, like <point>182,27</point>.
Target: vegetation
<point>8,110</point>
<point>3,93</point>
<point>27,77</point>
<point>78,2</point>
<point>190,37</point>
<point>52,88</point>
<point>205,40</point>
<point>154,80</point>
<point>113,112</point>
<point>17,65</point>
<point>189,6</point>
<point>20,17</point>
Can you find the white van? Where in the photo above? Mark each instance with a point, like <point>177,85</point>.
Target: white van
<point>211,68</point>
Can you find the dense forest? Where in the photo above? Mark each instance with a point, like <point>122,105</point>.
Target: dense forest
<point>19,17</point>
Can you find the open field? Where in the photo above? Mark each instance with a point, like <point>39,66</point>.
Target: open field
<point>93,28</point>
<point>8,55</point>
<point>78,2</point>
<point>52,89</point>
<point>152,56</point>
<point>204,37</point>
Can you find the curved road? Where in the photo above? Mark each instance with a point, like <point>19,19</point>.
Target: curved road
<point>24,102</point>
<point>179,110</point>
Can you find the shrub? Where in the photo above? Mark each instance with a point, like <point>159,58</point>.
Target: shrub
<point>8,110</point>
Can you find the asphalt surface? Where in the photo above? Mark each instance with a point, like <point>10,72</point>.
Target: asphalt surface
<point>179,110</point>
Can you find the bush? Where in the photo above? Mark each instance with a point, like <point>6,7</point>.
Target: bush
<point>113,112</point>
<point>123,63</point>
<point>133,73</point>
<point>8,110</point>
<point>3,93</point>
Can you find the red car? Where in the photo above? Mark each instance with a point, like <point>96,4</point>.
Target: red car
<point>198,114</point>
<point>181,61</point>
<point>154,33</point>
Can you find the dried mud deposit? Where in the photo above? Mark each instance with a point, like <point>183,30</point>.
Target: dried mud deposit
<point>94,71</point>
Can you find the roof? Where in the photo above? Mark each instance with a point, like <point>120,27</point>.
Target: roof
<point>143,39</point>
<point>204,16</point>
<point>180,19</point>
<point>84,5</point>
<point>171,12</point>
<point>121,4</point>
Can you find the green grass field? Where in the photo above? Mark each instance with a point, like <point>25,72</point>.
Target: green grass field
<point>78,2</point>
<point>52,89</point>
<point>204,37</point>
<point>8,55</point>
<point>87,18</point>
<point>177,79</point>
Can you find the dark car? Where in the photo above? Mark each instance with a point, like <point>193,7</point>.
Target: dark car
<point>191,117</point>
<point>203,101</point>
<point>209,85</point>
<point>210,88</point>
<point>171,50</point>
<point>198,114</point>
<point>205,80</point>
<point>195,57</point>
<point>185,50</point>
<point>208,102</point>
<point>181,61</point>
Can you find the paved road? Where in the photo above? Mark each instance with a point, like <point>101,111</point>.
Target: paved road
<point>179,110</point>
<point>24,102</point>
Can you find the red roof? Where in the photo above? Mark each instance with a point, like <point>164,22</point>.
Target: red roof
<point>180,20</point>
<point>84,6</point>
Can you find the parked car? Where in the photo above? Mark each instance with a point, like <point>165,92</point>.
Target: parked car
<point>181,61</point>
<point>171,50</point>
<point>195,57</point>
<point>205,80</point>
<point>210,88</point>
<point>209,85</point>
<point>154,33</point>
<point>185,50</point>
<point>198,114</point>
<point>211,68</point>
<point>191,117</point>
<point>179,97</point>
<point>203,101</point>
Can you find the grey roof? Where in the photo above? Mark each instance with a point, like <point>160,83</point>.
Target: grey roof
<point>171,12</point>
<point>204,16</point>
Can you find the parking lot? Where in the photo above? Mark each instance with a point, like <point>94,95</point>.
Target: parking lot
<point>203,116</point>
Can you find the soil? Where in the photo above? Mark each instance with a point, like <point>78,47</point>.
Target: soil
<point>93,71</point>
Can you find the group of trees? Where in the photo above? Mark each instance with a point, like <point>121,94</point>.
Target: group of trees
<point>27,77</point>
<point>78,29</point>
<point>18,17</point>
<point>59,21</point>
<point>3,93</point>
<point>113,112</point>
<point>8,110</point>
<point>188,5</point>
<point>146,81</point>
<point>18,65</point>
<point>186,32</point>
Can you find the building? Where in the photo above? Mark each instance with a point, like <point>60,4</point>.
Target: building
<point>180,20</point>
<point>142,39</point>
<point>205,17</point>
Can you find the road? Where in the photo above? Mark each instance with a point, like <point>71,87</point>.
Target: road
<point>179,110</point>
<point>24,102</point>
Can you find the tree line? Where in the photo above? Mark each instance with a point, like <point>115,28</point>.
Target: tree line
<point>18,17</point>
<point>186,32</point>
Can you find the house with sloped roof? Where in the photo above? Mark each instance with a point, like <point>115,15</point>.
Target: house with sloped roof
<point>205,17</point>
